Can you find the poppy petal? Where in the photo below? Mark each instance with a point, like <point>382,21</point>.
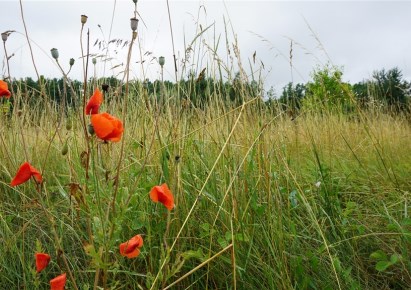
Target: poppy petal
<point>161,193</point>
<point>4,89</point>
<point>133,254</point>
<point>22,175</point>
<point>59,282</point>
<point>131,248</point>
<point>42,260</point>
<point>94,103</point>
<point>107,127</point>
<point>102,125</point>
<point>36,174</point>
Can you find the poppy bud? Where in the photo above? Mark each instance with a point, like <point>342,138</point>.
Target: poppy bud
<point>90,129</point>
<point>135,1</point>
<point>71,61</point>
<point>133,23</point>
<point>161,60</point>
<point>83,19</point>
<point>64,150</point>
<point>105,87</point>
<point>94,60</point>
<point>55,53</point>
<point>4,36</point>
<point>69,125</point>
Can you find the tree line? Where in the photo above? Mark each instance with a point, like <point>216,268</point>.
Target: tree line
<point>326,91</point>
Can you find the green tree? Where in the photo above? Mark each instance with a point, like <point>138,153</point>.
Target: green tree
<point>292,96</point>
<point>391,89</point>
<point>327,91</point>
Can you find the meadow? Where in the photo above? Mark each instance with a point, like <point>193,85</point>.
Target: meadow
<point>260,199</point>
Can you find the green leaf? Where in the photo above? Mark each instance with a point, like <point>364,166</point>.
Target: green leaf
<point>228,236</point>
<point>406,222</point>
<point>395,258</point>
<point>392,227</point>
<point>194,254</point>
<point>379,255</point>
<point>381,266</point>
<point>222,242</point>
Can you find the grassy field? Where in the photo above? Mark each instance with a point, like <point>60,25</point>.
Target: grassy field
<point>261,201</point>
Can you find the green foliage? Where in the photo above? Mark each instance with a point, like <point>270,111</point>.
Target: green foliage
<point>292,97</point>
<point>327,92</point>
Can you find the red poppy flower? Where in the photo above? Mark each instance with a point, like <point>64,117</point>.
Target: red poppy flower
<point>42,260</point>
<point>107,127</point>
<point>131,248</point>
<point>25,172</point>
<point>161,193</point>
<point>4,89</point>
<point>58,283</point>
<point>94,103</point>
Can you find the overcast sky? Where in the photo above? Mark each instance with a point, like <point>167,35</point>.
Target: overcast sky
<point>360,37</point>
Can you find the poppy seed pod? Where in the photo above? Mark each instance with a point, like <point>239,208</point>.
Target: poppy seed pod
<point>90,129</point>
<point>83,19</point>
<point>4,36</point>
<point>161,60</point>
<point>55,53</point>
<point>133,23</point>
<point>94,60</point>
<point>71,61</point>
<point>135,1</point>
<point>64,150</point>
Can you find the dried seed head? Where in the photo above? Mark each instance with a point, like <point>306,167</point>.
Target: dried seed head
<point>161,60</point>
<point>4,36</point>
<point>71,61</point>
<point>55,53</point>
<point>83,19</point>
<point>133,23</point>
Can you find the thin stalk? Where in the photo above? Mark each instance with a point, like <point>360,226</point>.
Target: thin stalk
<point>28,40</point>
<point>8,69</point>
<point>172,42</point>
<point>85,66</point>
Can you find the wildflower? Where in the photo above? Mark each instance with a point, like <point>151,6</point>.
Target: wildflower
<point>4,89</point>
<point>107,127</point>
<point>59,282</point>
<point>94,103</point>
<point>131,248</point>
<point>161,193</point>
<point>42,260</point>
<point>25,172</point>
<point>317,184</point>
